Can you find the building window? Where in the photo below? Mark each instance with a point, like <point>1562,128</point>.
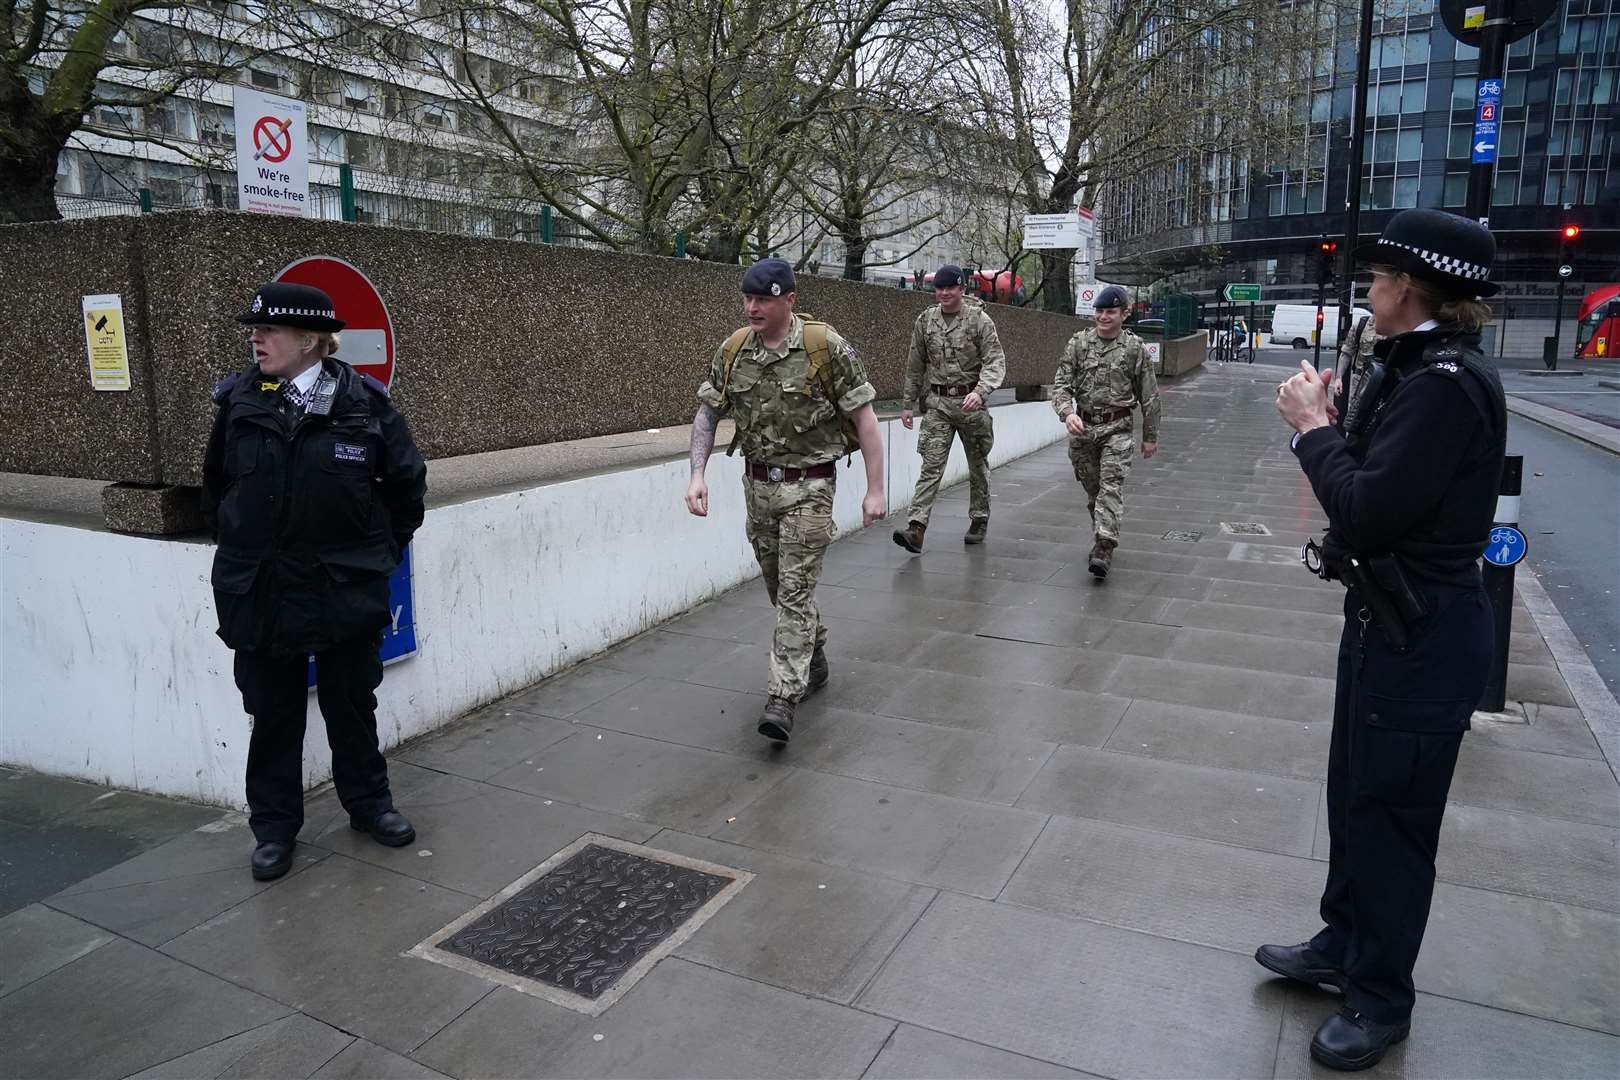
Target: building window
<point>1512,140</point>
<point>1462,92</point>
<point>264,80</point>
<point>1506,190</point>
<point>1553,193</point>
<point>1409,145</point>
<point>1406,192</point>
<point>1512,92</point>
<point>1455,192</point>
<point>1412,93</point>
<point>1457,142</point>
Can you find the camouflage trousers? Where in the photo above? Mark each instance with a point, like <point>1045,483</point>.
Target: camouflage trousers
<point>1102,460</point>
<point>944,420</point>
<point>790,526</point>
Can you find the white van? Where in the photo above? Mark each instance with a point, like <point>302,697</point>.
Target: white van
<point>1295,324</point>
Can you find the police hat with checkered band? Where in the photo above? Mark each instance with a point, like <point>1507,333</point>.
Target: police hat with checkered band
<point>281,303</point>
<point>1450,252</point>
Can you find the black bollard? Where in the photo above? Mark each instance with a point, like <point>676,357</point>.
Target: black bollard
<point>1499,587</point>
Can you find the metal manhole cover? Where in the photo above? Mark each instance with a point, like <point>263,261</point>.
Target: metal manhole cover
<point>1245,528</point>
<point>1186,536</point>
<point>582,927</point>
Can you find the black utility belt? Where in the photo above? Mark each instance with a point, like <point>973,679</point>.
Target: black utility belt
<point>953,391</point>
<point>1383,585</point>
<point>776,474</point>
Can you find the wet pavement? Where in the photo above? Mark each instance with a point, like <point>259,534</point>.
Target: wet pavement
<point>1034,826</point>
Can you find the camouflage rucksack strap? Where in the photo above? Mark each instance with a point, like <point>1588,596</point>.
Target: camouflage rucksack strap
<point>815,344</point>
<point>728,354</point>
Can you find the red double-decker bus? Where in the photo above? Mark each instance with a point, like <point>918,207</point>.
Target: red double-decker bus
<point>1597,334</point>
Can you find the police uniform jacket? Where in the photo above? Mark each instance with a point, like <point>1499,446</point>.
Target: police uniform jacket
<point>1421,480</point>
<point>311,512</point>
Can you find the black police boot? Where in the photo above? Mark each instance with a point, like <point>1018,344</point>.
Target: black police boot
<point>272,858</point>
<point>1102,553</point>
<point>1350,1042</point>
<point>820,671</point>
<point>976,530</point>
<point>1302,964</point>
<point>911,537</point>
<point>777,721</point>
<point>388,828</point>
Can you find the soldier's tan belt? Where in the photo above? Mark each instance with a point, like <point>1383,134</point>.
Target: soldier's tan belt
<point>952,391</point>
<point>776,474</point>
<point>1104,416</point>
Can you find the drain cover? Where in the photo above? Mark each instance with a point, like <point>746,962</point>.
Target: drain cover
<point>582,927</point>
<point>1186,536</point>
<point>1245,528</point>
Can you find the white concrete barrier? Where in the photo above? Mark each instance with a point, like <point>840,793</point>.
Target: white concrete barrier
<point>111,671</point>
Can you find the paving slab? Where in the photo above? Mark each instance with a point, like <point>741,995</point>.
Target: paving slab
<point>120,1009</point>
<point>682,1020</point>
<point>643,779</point>
<point>35,941</point>
<point>1567,861</point>
<point>910,835</point>
<point>691,714</point>
<point>331,942</point>
<point>1256,810</point>
<point>566,693</point>
<point>478,838</point>
<point>998,706</point>
<point>1286,697</point>
<point>38,860</point>
<point>1224,740</point>
<point>915,1053</point>
<point>295,1046</point>
<point>1573,789</point>
<point>1089,997</point>
<point>1546,729</point>
<point>808,927</point>
<point>481,745</point>
<point>361,1060</point>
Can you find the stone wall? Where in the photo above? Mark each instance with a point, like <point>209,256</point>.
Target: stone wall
<point>499,343</point>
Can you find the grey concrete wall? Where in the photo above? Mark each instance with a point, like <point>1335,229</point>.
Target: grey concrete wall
<point>500,343</point>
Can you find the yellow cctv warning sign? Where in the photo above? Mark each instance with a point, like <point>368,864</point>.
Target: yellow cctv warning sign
<point>104,342</point>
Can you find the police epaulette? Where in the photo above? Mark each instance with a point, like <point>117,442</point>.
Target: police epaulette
<point>223,388</point>
<point>373,384</point>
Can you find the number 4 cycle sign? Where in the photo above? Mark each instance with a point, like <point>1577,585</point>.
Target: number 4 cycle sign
<point>272,153</point>
<point>1487,108</point>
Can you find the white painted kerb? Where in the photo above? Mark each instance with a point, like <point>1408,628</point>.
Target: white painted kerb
<point>111,671</point>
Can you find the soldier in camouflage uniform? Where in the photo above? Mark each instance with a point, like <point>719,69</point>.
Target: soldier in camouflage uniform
<point>1355,354</point>
<point>1104,374</point>
<point>801,401</point>
<point>956,363</point>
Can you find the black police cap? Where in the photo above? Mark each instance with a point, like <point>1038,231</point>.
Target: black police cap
<point>1451,252</point>
<point>282,303</point>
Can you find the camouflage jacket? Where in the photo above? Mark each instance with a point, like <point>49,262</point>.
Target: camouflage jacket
<point>1096,375</point>
<point>959,351</point>
<point>783,416</point>
<point>1355,353</point>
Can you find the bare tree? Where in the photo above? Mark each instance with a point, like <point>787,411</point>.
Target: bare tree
<point>1101,88</point>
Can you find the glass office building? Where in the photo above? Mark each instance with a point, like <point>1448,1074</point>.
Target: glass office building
<point>1209,219</point>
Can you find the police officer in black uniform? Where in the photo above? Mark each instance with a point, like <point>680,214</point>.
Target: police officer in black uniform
<point>313,487</point>
<point>1409,487</point>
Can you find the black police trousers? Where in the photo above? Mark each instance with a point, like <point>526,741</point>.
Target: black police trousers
<point>1398,723</point>
<point>275,692</point>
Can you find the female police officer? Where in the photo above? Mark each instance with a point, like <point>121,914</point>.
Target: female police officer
<point>313,488</point>
<point>1410,490</point>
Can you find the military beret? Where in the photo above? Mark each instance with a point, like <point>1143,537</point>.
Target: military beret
<point>1113,296</point>
<point>768,277</point>
<point>947,277</point>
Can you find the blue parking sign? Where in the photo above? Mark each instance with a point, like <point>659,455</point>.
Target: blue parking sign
<point>1487,115</point>
<point>1507,546</point>
<point>399,636</point>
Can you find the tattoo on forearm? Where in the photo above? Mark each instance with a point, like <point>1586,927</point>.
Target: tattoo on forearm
<point>703,426</point>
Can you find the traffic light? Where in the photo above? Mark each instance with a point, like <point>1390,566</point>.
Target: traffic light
<point>1569,233</point>
<point>1325,250</point>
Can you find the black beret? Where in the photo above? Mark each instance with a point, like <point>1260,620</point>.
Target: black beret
<point>281,303</point>
<point>947,277</point>
<point>768,277</point>
<point>1113,296</point>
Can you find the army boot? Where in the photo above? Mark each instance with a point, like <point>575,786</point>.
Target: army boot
<point>820,670</point>
<point>976,530</point>
<point>777,721</point>
<point>911,537</point>
<point>1102,553</point>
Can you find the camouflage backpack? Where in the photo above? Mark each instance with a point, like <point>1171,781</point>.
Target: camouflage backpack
<point>815,343</point>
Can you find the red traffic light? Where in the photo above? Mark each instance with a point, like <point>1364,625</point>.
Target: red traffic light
<point>1570,232</point>
<point>1319,315</point>
<point>1329,246</point>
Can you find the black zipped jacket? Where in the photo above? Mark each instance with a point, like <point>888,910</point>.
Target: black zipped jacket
<point>310,516</point>
<point>1421,481</point>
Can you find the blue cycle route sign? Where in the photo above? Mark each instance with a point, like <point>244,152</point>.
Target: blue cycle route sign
<point>1507,546</point>
<point>1487,115</point>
